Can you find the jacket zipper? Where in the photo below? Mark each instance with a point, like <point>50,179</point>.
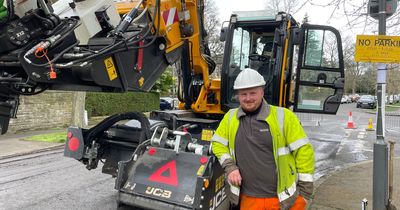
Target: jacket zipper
<point>291,170</point>
<point>287,191</point>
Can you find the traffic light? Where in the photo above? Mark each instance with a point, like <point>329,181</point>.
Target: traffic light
<point>373,8</point>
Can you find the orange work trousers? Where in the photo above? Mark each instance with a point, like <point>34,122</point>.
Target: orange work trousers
<point>254,203</point>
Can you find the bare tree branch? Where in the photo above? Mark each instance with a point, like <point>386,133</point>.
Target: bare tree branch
<point>213,25</point>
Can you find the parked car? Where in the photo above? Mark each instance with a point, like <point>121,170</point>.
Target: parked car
<point>164,104</point>
<point>393,99</point>
<point>346,99</point>
<point>355,97</point>
<point>349,100</point>
<point>366,101</point>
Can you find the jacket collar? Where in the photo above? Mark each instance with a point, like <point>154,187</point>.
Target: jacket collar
<point>262,115</point>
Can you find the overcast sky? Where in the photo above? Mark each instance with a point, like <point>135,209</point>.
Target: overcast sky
<point>317,14</point>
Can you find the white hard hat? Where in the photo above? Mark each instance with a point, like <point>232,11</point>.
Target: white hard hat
<point>248,78</point>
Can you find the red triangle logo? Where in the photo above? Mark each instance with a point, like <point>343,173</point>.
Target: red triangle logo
<point>158,176</point>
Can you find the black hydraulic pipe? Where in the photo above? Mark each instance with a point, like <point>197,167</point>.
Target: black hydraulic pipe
<point>124,24</point>
<point>186,74</point>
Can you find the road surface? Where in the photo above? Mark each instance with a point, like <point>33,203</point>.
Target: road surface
<point>50,181</point>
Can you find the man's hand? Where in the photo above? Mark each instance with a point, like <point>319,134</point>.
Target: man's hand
<point>305,200</point>
<point>235,178</point>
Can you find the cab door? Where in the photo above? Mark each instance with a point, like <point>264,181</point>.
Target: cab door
<point>320,70</point>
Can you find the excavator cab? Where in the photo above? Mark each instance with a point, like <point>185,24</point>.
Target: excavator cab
<point>302,65</point>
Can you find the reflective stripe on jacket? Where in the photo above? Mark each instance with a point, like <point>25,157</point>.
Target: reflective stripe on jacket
<point>294,155</point>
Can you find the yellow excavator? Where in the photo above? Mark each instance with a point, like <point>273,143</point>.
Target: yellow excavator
<point>106,46</point>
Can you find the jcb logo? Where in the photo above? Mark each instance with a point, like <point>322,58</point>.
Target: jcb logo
<point>21,33</point>
<point>217,199</point>
<point>158,192</point>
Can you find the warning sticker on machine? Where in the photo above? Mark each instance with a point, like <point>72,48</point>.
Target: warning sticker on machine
<point>112,72</point>
<point>206,134</point>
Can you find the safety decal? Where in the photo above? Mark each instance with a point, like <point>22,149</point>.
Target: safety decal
<point>141,81</point>
<point>188,199</point>
<point>112,72</point>
<point>170,179</point>
<point>206,134</point>
<point>170,16</point>
<point>130,186</point>
<point>201,170</point>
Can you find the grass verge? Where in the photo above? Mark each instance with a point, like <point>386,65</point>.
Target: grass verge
<point>390,108</point>
<point>58,137</point>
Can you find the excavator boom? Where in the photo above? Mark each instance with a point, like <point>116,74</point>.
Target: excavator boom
<point>64,50</point>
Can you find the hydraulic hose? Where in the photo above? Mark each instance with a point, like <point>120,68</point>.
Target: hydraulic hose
<point>6,13</point>
<point>112,48</point>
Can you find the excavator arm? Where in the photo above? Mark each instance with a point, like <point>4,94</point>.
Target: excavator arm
<point>60,47</point>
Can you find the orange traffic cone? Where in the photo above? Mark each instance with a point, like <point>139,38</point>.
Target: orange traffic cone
<point>350,123</point>
<point>370,128</point>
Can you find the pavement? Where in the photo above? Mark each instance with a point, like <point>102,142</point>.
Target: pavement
<point>12,145</point>
<point>343,189</point>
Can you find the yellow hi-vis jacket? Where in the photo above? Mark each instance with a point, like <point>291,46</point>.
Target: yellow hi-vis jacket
<point>294,155</point>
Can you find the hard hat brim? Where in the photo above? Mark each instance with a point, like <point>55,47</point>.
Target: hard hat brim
<point>248,86</point>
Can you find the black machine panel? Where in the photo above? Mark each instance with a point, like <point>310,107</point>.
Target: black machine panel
<point>161,175</point>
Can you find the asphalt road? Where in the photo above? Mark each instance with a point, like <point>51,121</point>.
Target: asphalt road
<point>50,181</point>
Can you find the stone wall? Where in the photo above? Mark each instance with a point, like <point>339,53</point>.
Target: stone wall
<point>51,109</point>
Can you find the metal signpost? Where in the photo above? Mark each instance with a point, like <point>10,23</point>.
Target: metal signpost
<point>382,49</point>
<point>380,169</point>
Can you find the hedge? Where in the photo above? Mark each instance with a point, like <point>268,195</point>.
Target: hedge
<point>104,104</point>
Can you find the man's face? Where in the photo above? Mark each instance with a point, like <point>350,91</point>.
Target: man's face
<point>250,98</point>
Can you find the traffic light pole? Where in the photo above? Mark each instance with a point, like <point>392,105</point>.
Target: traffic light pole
<point>380,169</point>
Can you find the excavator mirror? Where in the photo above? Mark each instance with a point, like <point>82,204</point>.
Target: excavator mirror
<point>320,70</point>
<point>222,35</point>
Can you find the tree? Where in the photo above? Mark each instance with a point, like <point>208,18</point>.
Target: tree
<point>366,83</point>
<point>393,78</point>
<point>306,18</point>
<point>78,107</point>
<point>212,25</point>
<point>356,15</point>
<point>288,6</point>
<point>165,83</point>
<point>352,69</point>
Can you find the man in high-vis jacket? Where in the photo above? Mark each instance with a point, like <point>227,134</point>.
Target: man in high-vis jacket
<point>266,155</point>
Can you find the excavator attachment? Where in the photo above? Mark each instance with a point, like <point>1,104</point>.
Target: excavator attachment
<point>162,178</point>
<point>172,171</point>
<point>167,170</point>
<point>76,53</point>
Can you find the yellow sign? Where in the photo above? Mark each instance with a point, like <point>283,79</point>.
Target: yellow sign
<point>141,81</point>
<point>377,48</point>
<point>201,170</point>
<point>112,72</point>
<point>206,134</point>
